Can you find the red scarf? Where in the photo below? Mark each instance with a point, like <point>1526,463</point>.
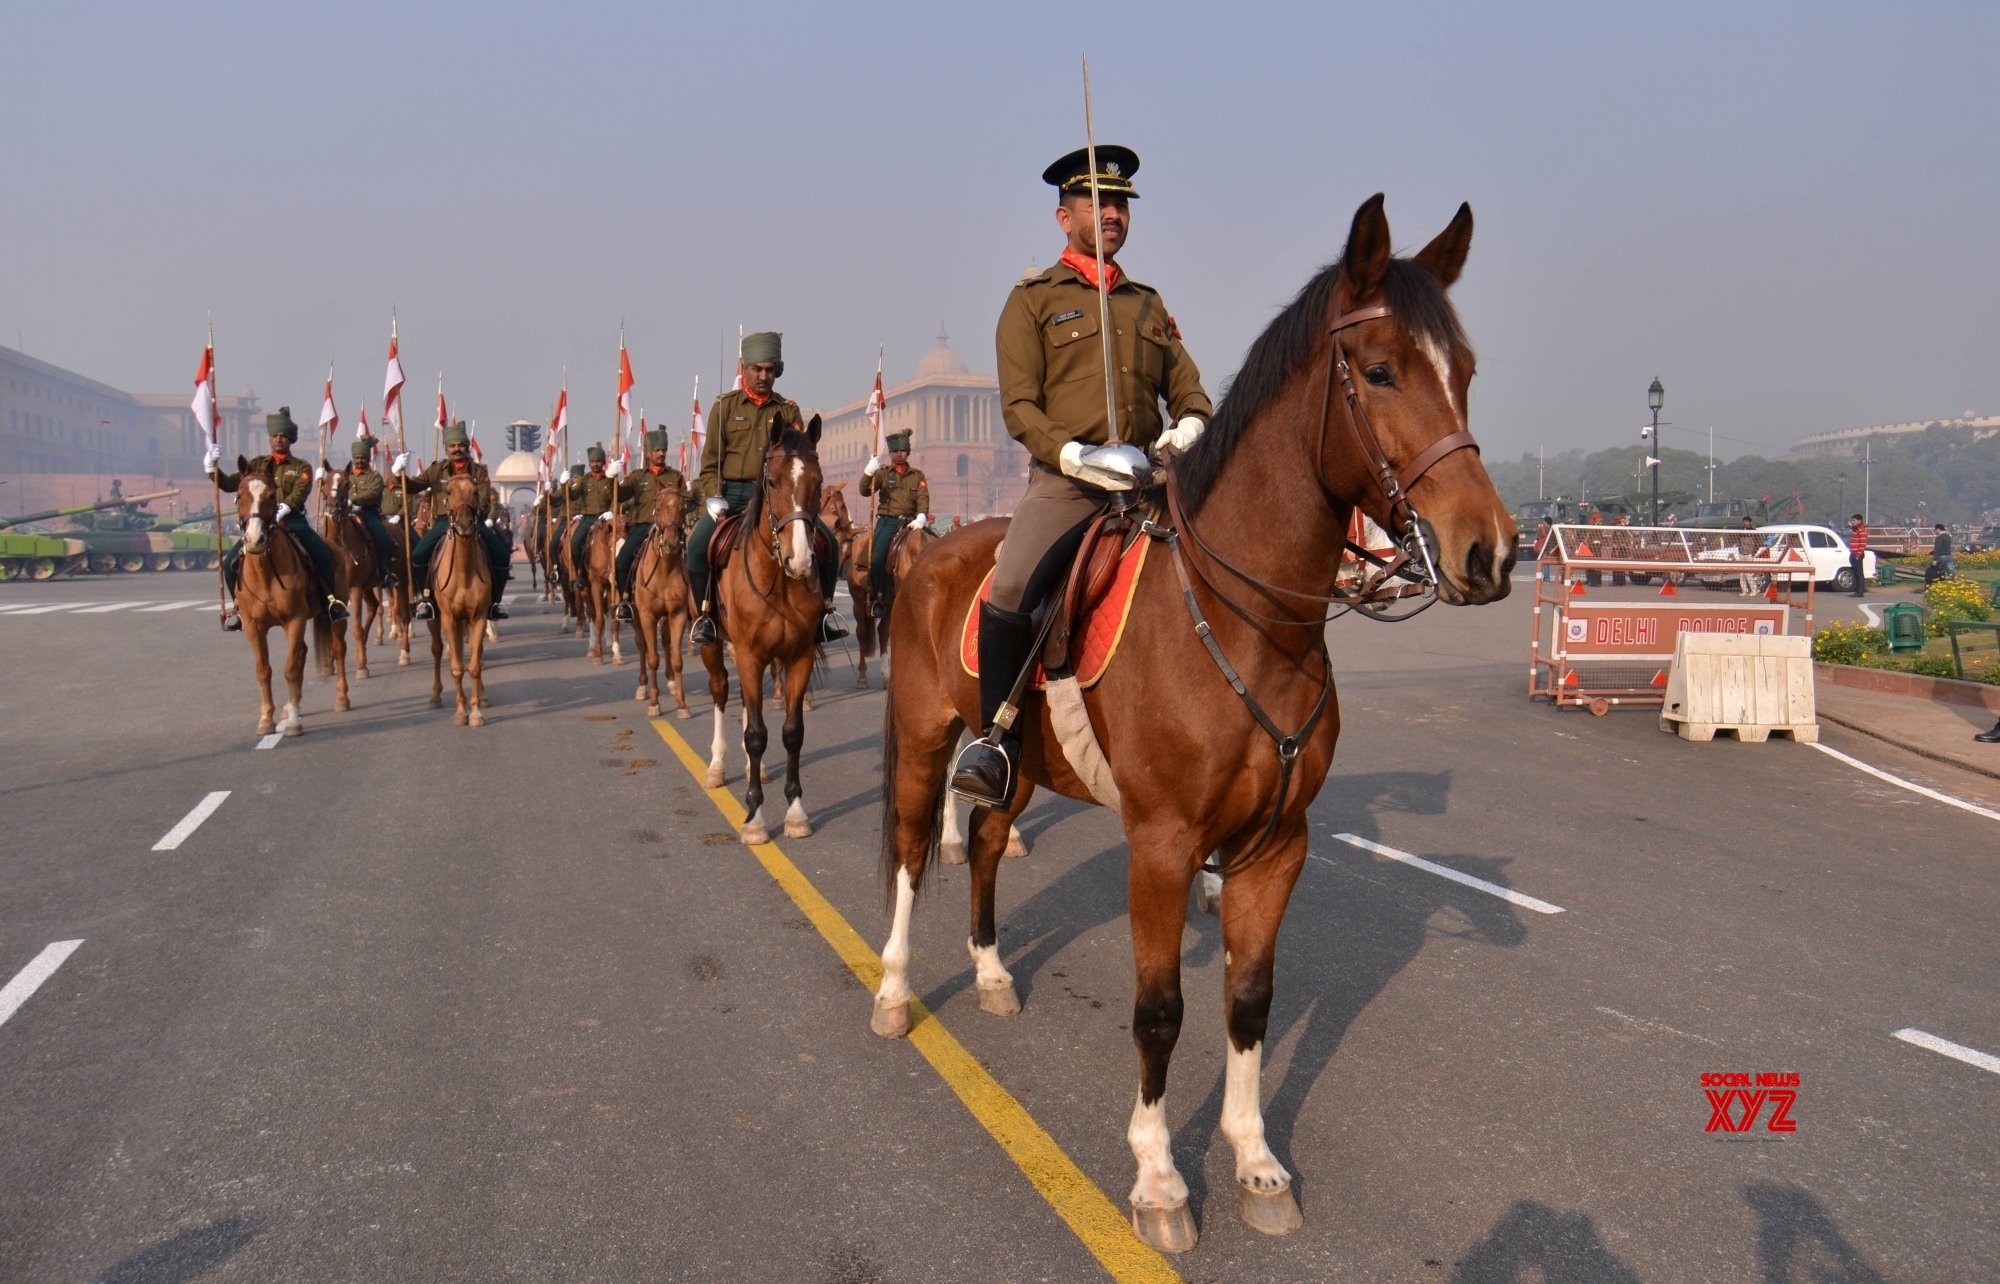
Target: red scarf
<point>1085,266</point>
<point>756,400</point>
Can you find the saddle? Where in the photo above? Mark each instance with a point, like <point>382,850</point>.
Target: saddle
<point>731,531</point>
<point>1099,564</point>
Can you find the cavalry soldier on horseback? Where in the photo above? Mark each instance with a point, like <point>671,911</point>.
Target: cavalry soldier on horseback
<point>739,427</point>
<point>1052,381</point>
<point>638,510</point>
<point>457,462</point>
<point>294,478</point>
<point>902,498</point>
<point>365,494</point>
<point>589,496</point>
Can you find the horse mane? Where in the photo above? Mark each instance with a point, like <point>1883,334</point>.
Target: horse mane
<point>1287,347</point>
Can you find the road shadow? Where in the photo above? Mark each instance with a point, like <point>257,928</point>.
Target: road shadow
<point>188,1255</point>
<point>1084,897</point>
<point>1797,1242</point>
<point>1538,1244</point>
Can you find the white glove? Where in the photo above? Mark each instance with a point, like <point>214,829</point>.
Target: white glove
<point>401,465</point>
<point>1114,467</point>
<point>1181,435</point>
<point>717,508</point>
<point>873,466</point>
<point>606,517</point>
<point>614,468</point>
<point>923,520</point>
<point>319,473</point>
<point>489,521</point>
<point>212,461</point>
<point>393,518</point>
<point>284,511</point>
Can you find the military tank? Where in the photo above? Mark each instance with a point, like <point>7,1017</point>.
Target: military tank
<point>102,538</point>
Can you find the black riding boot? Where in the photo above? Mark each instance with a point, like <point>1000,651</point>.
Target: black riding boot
<point>703,632</point>
<point>987,769</point>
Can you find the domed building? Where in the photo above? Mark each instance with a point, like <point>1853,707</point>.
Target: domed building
<point>515,475</point>
<point>956,436</point>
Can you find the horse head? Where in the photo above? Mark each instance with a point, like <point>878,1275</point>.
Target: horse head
<point>256,504</point>
<point>791,493</point>
<point>669,502</point>
<point>1403,369</point>
<point>461,504</point>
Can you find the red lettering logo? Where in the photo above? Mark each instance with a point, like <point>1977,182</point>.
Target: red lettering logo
<point>1734,1106</point>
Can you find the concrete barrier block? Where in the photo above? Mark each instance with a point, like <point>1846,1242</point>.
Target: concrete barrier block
<point>1748,684</point>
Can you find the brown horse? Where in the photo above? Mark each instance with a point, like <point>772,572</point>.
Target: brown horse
<point>1255,516</point>
<point>274,590</point>
<point>342,529</point>
<point>592,608</point>
<point>462,584</point>
<point>768,604</point>
<point>661,607</point>
<point>860,554</point>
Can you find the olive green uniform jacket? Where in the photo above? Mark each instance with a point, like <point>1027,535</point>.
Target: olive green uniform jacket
<point>364,487</point>
<point>738,431</point>
<point>294,480</point>
<point>640,487</point>
<point>1051,359</point>
<point>897,496</point>
<point>588,495</point>
<point>434,477</point>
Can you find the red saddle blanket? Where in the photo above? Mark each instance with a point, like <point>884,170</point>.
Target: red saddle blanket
<point>1094,641</point>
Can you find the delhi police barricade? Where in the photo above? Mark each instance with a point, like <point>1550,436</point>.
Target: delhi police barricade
<point>1596,647</point>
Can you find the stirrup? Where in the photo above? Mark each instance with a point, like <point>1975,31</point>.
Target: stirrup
<point>579,587</point>
<point>336,610</point>
<point>830,627</point>
<point>426,609</point>
<point>493,611</point>
<point>703,631</point>
<point>622,612</point>
<point>389,579</point>
<point>973,775</point>
<point>231,621</point>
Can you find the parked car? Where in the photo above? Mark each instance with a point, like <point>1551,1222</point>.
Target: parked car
<point>1827,551</point>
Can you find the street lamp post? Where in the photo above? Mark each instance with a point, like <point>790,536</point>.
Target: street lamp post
<point>1843,497</point>
<point>1656,396</point>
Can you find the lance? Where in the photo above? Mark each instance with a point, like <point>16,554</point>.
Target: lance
<point>403,479</point>
<point>325,486</point>
<point>215,478</point>
<point>1097,244</point>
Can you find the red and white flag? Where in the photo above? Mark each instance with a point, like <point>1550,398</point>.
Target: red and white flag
<point>361,428</point>
<point>443,420</point>
<point>739,358</point>
<point>558,423</point>
<point>875,404</point>
<point>626,454</point>
<point>203,404</point>
<point>329,418</point>
<point>698,430</point>
<point>392,386</point>
<point>684,454</point>
<point>625,382</point>
<point>472,439</point>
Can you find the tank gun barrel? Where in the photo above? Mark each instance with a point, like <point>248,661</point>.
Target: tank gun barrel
<point>99,506</point>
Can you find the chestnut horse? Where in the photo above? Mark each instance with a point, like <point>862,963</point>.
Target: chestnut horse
<point>342,529</point>
<point>274,590</point>
<point>661,606</point>
<point>768,606</point>
<point>462,585</point>
<point>1202,758</point>
<point>600,565</point>
<point>860,552</point>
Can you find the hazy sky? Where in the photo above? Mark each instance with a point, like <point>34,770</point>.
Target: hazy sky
<point>1785,211</point>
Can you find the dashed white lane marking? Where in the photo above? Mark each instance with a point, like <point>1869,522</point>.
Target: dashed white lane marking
<point>115,606</point>
<point>1910,1034</point>
<point>173,606</point>
<point>1507,894</point>
<point>30,978</point>
<point>191,822</point>
<point>44,610</point>
<point>1911,785</point>
<point>271,741</point>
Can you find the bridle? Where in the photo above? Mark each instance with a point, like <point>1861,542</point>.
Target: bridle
<point>776,527</point>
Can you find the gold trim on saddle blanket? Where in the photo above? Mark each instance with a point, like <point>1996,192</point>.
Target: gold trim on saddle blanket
<point>1090,667</point>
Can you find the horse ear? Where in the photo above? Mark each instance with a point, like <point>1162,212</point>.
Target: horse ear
<point>1366,258</point>
<point>1445,256</point>
<point>242,465</point>
<point>812,430</point>
<point>778,426</point>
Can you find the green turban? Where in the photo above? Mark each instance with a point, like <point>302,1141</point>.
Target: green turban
<point>576,470</point>
<point>456,434</point>
<point>362,448</point>
<point>281,425</point>
<point>595,454</point>
<point>656,439</point>
<point>897,441</point>
<point>763,346</point>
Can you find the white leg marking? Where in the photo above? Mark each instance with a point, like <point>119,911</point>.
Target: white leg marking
<point>895,988</point>
<point>951,845</point>
<point>1159,1184</point>
<point>986,963</point>
<point>715,745</point>
<point>1243,1124</point>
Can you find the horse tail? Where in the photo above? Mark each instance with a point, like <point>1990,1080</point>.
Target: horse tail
<point>892,812</point>
<point>322,643</point>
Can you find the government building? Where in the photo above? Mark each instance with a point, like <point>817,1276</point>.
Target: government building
<point>956,437</point>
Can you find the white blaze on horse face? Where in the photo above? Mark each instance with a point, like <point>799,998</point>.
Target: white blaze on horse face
<point>1442,364</point>
<point>1243,1123</point>
<point>1159,1184</point>
<point>254,526</point>
<point>799,561</point>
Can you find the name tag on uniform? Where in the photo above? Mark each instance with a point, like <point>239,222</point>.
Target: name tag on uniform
<point>1067,316</point>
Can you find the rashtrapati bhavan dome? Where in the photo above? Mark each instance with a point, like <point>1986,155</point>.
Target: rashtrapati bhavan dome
<point>956,436</point>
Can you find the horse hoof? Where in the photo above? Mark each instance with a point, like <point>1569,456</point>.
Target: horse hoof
<point>713,780</point>
<point>755,834</point>
<point>436,703</point>
<point>653,710</point>
<point>1171,1230</point>
<point>266,727</point>
<point>640,694</point>
<point>798,829</point>
<point>293,728</point>
<point>361,673</point>
<point>458,717</point>
<point>683,714</point>
<point>477,719</point>
<point>890,1020</point>
<point>341,705</point>
<point>952,853</point>
<point>485,701</point>
<point>1000,1000</point>
<point>861,680</point>
<point>1017,846</point>
<point>402,661</point>
<point>1273,1212</point>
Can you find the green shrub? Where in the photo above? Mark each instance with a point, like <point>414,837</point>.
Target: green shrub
<point>1954,598</point>
<point>1846,642</point>
<point>1933,666</point>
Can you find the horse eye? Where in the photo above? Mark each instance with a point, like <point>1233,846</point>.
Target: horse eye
<point>1379,376</point>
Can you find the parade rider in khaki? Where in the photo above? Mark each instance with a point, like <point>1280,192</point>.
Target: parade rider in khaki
<point>1052,379</point>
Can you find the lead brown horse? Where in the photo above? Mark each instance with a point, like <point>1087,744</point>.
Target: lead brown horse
<point>768,605</point>
<point>462,586</point>
<point>274,589</point>
<point>1355,396</point>
<point>661,603</point>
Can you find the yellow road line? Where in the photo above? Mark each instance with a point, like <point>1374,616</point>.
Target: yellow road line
<point>1099,1223</point>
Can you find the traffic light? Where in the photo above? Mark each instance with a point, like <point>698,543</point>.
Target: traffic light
<point>523,435</point>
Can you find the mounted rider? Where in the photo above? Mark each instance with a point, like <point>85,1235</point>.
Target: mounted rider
<point>457,462</point>
<point>653,477</point>
<point>293,478</point>
<point>902,498</point>
<point>732,460</point>
<point>365,491</point>
<point>589,495</point>
<point>1050,352</point>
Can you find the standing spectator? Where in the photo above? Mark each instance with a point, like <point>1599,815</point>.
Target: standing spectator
<point>1942,565</point>
<point>1595,578</point>
<point>1857,552</point>
<point>1544,537</point>
<point>1622,549</point>
<point>1746,546</point>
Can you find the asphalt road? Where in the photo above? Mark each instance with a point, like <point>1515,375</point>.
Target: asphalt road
<point>511,1003</point>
